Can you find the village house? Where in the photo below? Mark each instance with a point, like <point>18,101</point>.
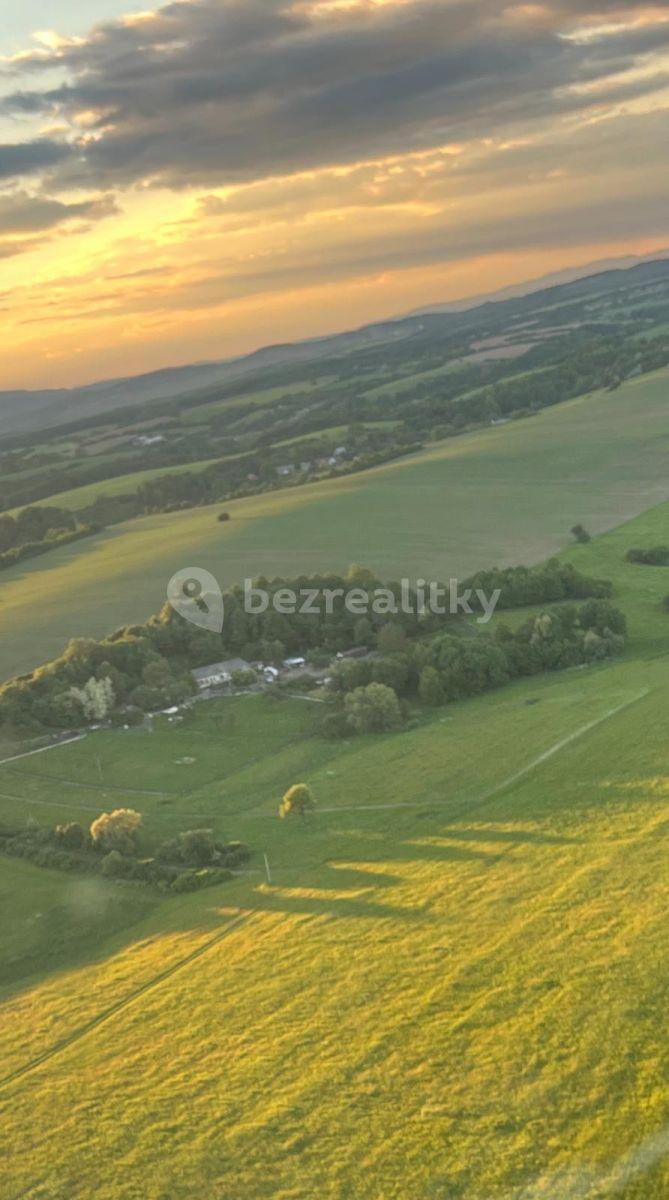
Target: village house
<point>148,439</point>
<point>218,674</point>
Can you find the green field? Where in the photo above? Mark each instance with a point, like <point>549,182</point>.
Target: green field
<point>454,985</point>
<point>458,506</point>
<point>192,416</point>
<point>120,485</point>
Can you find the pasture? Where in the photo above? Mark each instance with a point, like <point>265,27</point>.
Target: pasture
<point>458,997</point>
<point>453,986</point>
<point>455,507</point>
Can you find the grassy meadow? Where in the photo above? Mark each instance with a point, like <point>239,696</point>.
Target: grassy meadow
<point>454,985</point>
<point>455,507</point>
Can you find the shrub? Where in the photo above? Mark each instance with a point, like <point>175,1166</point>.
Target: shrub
<point>197,847</point>
<point>654,556</point>
<point>601,616</point>
<point>244,678</point>
<point>41,855</point>
<point>233,854</point>
<point>71,835</point>
<point>115,865</point>
<point>130,715</point>
<point>192,881</point>
<point>335,725</point>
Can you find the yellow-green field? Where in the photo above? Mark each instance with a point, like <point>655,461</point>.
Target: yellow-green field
<point>454,986</point>
<point>456,507</point>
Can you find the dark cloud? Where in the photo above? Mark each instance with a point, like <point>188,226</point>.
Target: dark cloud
<point>26,158</point>
<point>221,91</point>
<point>21,213</point>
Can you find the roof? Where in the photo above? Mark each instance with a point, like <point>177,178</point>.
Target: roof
<point>220,668</point>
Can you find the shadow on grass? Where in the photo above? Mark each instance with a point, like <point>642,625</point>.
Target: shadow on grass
<point>526,836</point>
<point>282,898</point>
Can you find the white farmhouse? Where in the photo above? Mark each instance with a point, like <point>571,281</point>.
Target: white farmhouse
<point>218,674</point>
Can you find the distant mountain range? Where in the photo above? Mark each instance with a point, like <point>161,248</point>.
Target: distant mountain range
<point>570,275</point>
<point>27,411</point>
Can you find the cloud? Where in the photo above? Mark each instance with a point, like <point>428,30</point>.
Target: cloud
<point>22,213</point>
<point>212,92</point>
<point>27,158</point>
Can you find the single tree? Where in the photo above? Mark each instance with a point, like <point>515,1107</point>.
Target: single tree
<point>580,533</point>
<point>391,639</point>
<point>197,847</point>
<point>429,688</point>
<point>116,830</point>
<point>373,709</point>
<point>298,801</point>
<point>96,698</point>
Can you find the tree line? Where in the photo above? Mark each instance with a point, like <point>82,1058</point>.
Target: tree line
<point>371,696</point>
<point>141,668</point>
<point>113,846</point>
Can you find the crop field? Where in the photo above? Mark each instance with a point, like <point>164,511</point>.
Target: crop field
<point>453,985</point>
<point>453,508</point>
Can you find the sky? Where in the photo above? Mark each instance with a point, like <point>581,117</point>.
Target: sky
<point>194,180</point>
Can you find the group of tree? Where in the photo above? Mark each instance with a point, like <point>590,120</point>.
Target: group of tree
<point>597,339</point>
<point>370,695</point>
<point>652,556</point>
<point>33,525</point>
<point>36,530</point>
<point>549,583</point>
<point>113,846</point>
<point>142,668</point>
<point>116,679</point>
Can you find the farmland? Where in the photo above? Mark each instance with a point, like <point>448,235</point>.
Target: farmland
<point>448,981</point>
<point>453,985</point>
<point>454,507</point>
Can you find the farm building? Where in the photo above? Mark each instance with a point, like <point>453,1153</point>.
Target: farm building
<point>218,673</point>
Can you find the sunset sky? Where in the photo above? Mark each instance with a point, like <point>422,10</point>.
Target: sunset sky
<point>195,180</point>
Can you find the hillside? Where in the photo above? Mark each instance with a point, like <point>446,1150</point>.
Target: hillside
<point>605,296</point>
<point>449,510</point>
<point>454,984</point>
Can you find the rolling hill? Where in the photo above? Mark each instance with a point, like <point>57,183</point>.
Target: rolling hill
<point>453,508</point>
<point>25,411</point>
<point>454,984</point>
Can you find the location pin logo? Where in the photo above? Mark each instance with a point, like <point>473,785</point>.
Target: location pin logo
<point>196,596</point>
